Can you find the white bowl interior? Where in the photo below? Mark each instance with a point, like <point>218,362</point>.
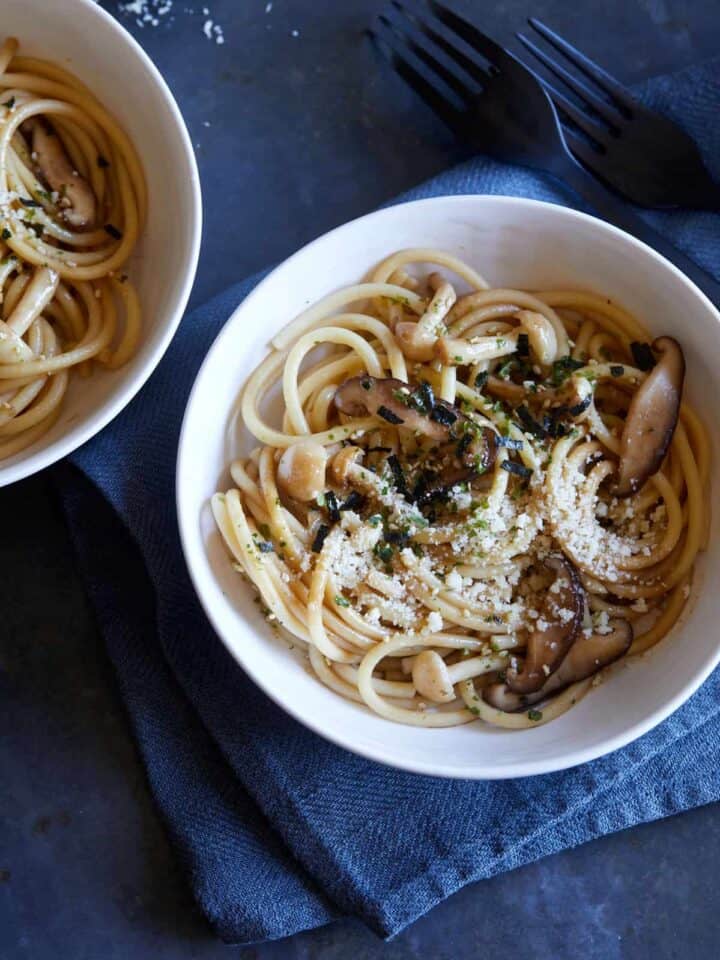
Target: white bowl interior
<point>80,36</point>
<point>513,242</point>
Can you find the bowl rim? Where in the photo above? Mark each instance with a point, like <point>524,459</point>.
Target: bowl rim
<point>480,770</point>
<point>79,434</point>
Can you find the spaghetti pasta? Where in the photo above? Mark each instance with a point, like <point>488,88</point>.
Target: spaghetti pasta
<point>475,500</point>
<point>72,204</point>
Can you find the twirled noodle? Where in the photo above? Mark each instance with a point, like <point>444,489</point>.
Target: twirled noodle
<point>72,203</point>
<point>439,516</point>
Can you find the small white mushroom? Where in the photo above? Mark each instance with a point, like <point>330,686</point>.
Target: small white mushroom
<point>417,340</point>
<point>415,343</point>
<point>301,470</point>
<point>435,680</point>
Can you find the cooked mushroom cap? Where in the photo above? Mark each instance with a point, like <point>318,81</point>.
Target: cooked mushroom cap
<point>77,204</point>
<point>651,419</point>
<point>407,406</point>
<point>587,656</point>
<point>301,470</point>
<point>362,396</point>
<point>547,647</point>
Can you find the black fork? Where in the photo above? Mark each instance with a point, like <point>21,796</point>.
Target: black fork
<point>637,151</point>
<point>494,103</point>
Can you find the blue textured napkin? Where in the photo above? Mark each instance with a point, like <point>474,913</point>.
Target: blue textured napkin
<point>280,830</point>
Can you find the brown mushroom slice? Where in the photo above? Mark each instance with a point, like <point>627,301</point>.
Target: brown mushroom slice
<point>401,405</point>
<point>651,419</point>
<point>78,205</point>
<point>547,647</point>
<point>365,396</point>
<point>586,657</point>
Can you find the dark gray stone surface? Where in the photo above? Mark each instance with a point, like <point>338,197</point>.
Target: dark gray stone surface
<point>294,134</point>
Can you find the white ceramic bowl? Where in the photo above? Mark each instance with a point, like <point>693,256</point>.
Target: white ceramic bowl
<point>513,242</point>
<point>81,36</point>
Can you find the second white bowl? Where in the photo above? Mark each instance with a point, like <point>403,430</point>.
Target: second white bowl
<point>81,37</point>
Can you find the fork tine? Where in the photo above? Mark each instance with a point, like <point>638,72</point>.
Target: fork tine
<point>472,68</point>
<point>603,79</point>
<point>600,106</point>
<point>492,51</point>
<point>400,30</point>
<point>440,104</point>
<point>583,151</point>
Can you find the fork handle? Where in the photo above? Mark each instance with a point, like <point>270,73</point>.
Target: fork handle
<point>615,211</point>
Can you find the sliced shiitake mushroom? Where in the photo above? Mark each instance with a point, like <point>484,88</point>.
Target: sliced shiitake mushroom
<point>586,657</point>
<point>651,419</point>
<point>78,206</point>
<point>415,408</point>
<point>547,647</point>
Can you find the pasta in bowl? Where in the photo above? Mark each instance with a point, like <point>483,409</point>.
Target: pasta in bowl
<point>239,429</point>
<point>475,502</point>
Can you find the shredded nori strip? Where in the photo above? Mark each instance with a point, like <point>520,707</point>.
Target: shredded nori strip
<point>102,162</point>
<point>436,495</point>
<point>481,379</point>
<point>616,370</point>
<point>397,537</point>
<point>509,443</point>
<point>28,202</point>
<point>322,532</point>
<point>581,407</point>
<point>523,345</point>
<point>519,469</point>
<point>424,398</point>
<point>553,427</point>
<point>366,384</point>
<point>331,502</point>
<point>398,474</point>
<point>389,415</point>
<point>353,501</point>
<point>113,231</point>
<point>642,355</point>
<point>379,450</point>
<point>529,422</point>
<point>443,415</point>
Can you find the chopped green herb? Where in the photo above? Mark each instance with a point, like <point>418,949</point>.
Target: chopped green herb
<point>341,601</point>
<point>534,715</point>
<point>9,103</point>
<point>5,235</point>
<point>384,551</point>
<point>563,368</point>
